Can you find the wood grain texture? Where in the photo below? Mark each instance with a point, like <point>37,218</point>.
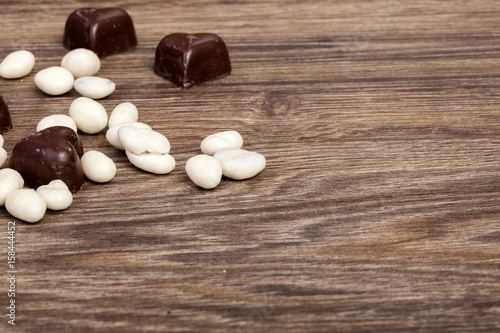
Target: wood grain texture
<point>379,208</point>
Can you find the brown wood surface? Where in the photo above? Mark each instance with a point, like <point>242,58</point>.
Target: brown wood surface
<point>378,210</point>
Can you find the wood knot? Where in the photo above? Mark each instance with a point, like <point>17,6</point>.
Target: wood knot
<point>278,103</point>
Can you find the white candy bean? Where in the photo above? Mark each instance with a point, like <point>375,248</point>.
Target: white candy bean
<point>17,64</point>
<point>54,80</point>
<point>3,156</point>
<point>56,120</point>
<point>154,163</point>
<point>27,205</point>
<point>140,140</point>
<point>222,140</point>
<point>240,164</point>
<point>90,116</point>
<point>3,152</point>
<point>94,87</point>
<point>56,195</point>
<point>123,113</point>
<point>204,170</point>
<point>98,167</point>
<point>10,180</point>
<point>81,62</point>
<point>112,133</point>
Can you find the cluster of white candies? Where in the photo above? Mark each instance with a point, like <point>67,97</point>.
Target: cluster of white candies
<point>78,69</point>
<point>27,204</point>
<point>145,148</point>
<point>30,205</point>
<point>222,155</point>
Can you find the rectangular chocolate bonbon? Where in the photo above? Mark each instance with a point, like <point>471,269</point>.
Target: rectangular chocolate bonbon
<point>105,31</point>
<point>190,59</point>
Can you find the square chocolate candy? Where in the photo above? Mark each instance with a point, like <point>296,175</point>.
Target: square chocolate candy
<point>105,31</point>
<point>191,59</point>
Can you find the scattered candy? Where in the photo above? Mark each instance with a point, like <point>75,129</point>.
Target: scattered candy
<point>3,156</point>
<point>81,62</point>
<point>3,152</point>
<point>98,167</point>
<point>154,163</point>
<point>123,113</point>
<point>94,87</point>
<point>17,64</point>
<point>27,205</point>
<point>52,159</point>
<point>146,149</point>
<point>190,59</point>
<point>204,170</point>
<point>141,140</point>
<point>10,180</point>
<point>56,195</point>
<point>105,31</point>
<point>53,153</point>
<point>240,164</point>
<point>215,142</point>
<point>90,116</point>
<point>56,120</point>
<point>112,133</point>
<point>54,80</point>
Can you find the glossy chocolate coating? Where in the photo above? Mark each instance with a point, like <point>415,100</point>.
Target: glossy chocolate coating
<point>105,31</point>
<point>5,120</point>
<point>47,155</point>
<point>191,59</point>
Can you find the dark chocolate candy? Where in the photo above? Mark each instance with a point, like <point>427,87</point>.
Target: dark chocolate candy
<point>5,120</point>
<point>49,154</point>
<point>105,31</point>
<point>191,59</point>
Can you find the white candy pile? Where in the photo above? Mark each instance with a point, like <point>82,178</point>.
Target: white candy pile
<point>228,160</point>
<point>144,147</point>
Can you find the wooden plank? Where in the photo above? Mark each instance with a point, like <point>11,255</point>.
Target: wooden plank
<point>378,209</point>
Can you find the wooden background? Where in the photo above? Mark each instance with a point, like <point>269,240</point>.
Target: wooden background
<point>378,211</point>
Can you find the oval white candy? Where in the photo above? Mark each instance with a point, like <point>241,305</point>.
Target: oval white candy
<point>27,205</point>
<point>1,140</point>
<point>112,133</point>
<point>123,113</point>
<point>17,64</point>
<point>56,195</point>
<point>81,62</point>
<point>10,180</point>
<point>154,163</point>
<point>98,167</point>
<point>204,170</point>
<point>54,80</point>
<point>140,140</point>
<point>90,116</point>
<point>222,140</point>
<point>240,164</point>
<point>94,87</point>
<point>56,120</point>
<point>3,156</point>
